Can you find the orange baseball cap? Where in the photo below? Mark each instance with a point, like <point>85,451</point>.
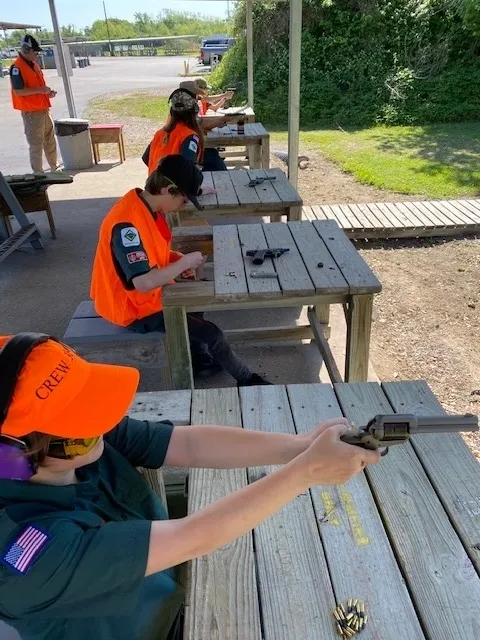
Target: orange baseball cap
<point>59,393</point>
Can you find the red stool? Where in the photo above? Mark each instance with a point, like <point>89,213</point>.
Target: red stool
<point>107,133</point>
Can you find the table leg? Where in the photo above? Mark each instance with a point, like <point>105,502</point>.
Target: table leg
<point>294,214</point>
<point>123,156</point>
<point>322,311</point>
<point>359,327</point>
<point>265,152</point>
<point>255,156</point>
<point>276,217</point>
<point>178,347</point>
<point>51,221</point>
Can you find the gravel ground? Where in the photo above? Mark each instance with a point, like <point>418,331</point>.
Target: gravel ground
<point>427,318</point>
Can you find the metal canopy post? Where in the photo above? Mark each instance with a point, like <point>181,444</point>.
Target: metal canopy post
<point>61,61</point>
<point>294,89</point>
<point>250,52</point>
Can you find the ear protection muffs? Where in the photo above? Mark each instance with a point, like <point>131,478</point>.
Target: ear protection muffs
<point>15,464</point>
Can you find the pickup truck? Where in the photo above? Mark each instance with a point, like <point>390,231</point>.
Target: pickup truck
<point>218,45</point>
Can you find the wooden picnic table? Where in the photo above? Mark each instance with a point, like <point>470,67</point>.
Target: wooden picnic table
<point>343,278</point>
<point>256,139</point>
<point>234,197</point>
<point>403,537</point>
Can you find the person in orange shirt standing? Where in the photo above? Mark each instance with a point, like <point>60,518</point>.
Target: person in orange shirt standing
<point>31,96</point>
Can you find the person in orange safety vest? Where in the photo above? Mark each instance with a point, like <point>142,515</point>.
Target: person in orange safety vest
<point>31,95</point>
<point>134,261</point>
<point>184,134</point>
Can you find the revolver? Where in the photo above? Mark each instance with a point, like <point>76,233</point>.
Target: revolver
<point>259,255</point>
<point>387,430</point>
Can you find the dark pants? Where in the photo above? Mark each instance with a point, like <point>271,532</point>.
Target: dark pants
<point>206,342</point>
<point>212,161</point>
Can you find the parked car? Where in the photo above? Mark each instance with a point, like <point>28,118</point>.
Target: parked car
<point>218,45</point>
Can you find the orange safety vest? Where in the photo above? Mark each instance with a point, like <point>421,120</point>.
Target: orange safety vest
<point>32,77</point>
<point>165,144</point>
<point>111,299</point>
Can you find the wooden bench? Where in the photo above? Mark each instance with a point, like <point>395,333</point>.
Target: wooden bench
<point>106,134</point>
<point>101,341</point>
<point>403,537</point>
<point>30,204</point>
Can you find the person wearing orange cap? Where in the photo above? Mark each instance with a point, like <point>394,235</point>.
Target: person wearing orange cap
<point>86,547</point>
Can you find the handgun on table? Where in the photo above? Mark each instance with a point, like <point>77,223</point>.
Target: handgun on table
<point>259,255</point>
<point>387,430</point>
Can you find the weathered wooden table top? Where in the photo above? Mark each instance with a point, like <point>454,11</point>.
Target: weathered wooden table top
<point>233,192</point>
<point>403,537</point>
<point>248,112</point>
<point>343,272</point>
<point>228,135</point>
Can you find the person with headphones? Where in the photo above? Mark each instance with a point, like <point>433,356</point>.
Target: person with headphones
<point>134,261</point>
<point>184,133</point>
<point>86,547</point>
<point>31,95</point>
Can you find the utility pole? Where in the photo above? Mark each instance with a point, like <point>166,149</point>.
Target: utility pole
<point>228,9</point>
<point>61,61</point>
<point>112,52</point>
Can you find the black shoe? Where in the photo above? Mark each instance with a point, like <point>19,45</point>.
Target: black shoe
<point>253,381</point>
<point>206,370</point>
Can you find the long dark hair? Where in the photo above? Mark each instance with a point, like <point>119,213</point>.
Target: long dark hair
<point>189,119</point>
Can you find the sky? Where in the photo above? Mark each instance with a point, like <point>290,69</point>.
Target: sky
<point>82,14</point>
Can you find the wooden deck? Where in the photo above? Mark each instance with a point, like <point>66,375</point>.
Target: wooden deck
<point>401,219</point>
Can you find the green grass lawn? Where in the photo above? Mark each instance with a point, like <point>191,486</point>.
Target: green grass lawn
<point>142,105</point>
<point>437,161</point>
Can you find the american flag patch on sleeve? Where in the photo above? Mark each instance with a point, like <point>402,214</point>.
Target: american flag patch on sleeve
<point>23,551</point>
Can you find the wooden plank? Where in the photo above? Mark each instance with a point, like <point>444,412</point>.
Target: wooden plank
<point>178,348</point>
<point>286,192</point>
<point>471,206</point>
<point>364,220</point>
<point>432,213</point>
<point>88,330</point>
<point>247,197</point>
<point>359,328</point>
<point>402,216</point>
<point>252,237</point>
<point>378,215</point>
<point>351,217</point>
<point>226,195</point>
<point>189,293</point>
<point>394,221</point>
<point>442,580</point>
<point>337,214</point>
<point>323,346</point>
<point>143,354</point>
<point>222,599</point>
<point>328,278</point>
<point>307,213</point>
<point>267,195</point>
<point>292,273</point>
<point>295,590</point>
<point>417,212</point>
<point>319,212</point>
<point>209,201</point>
<point>194,238</point>
<point>353,267</point>
<point>457,206</point>
<point>162,405</point>
<point>456,215</point>
<point>266,334</point>
<point>352,529</point>
<point>228,260</point>
<point>449,463</point>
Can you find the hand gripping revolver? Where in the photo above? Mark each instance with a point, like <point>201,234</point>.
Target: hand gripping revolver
<point>387,430</point>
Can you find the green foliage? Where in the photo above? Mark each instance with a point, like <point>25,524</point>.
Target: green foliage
<point>364,61</point>
<point>166,23</point>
